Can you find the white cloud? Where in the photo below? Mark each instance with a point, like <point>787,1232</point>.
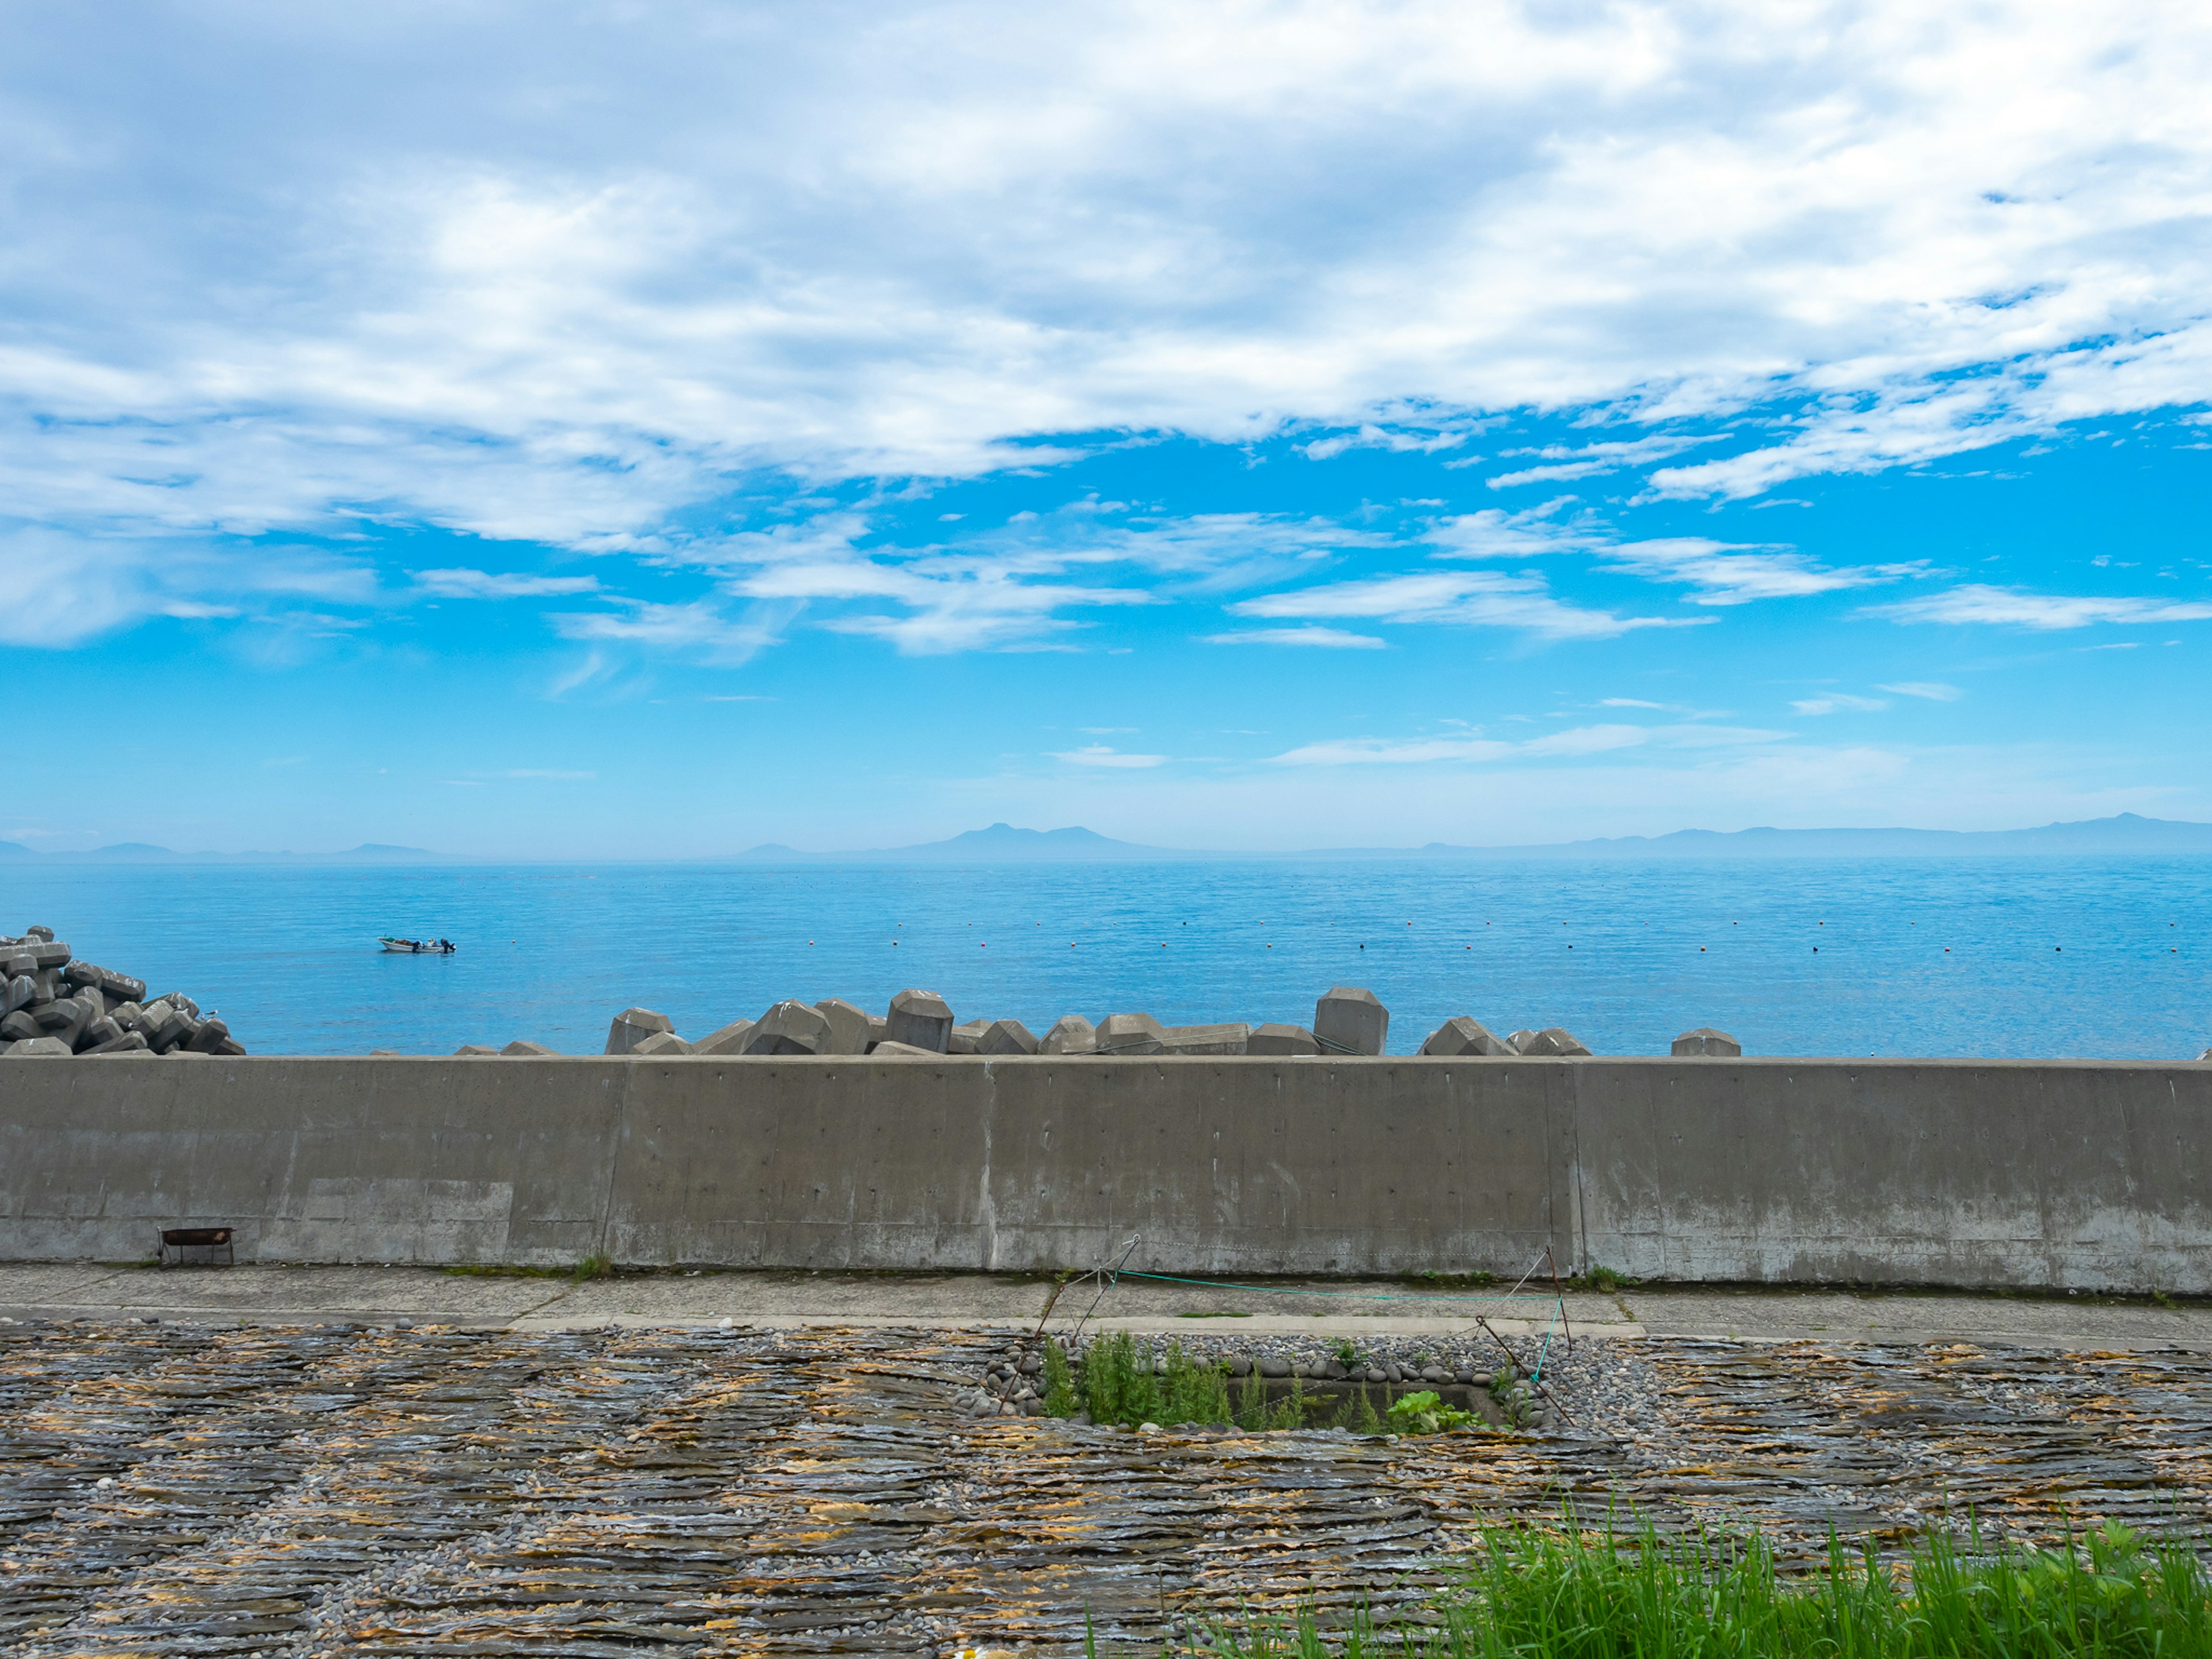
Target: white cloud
<point>558,275</point>
<point>63,589</point>
<point>1838,701</point>
<point>1627,703</point>
<point>696,629</point>
<point>1723,575</point>
<point>1578,741</point>
<point>2015,608</point>
<point>491,585</point>
<point>1336,639</point>
<point>1931,691</point>
<point>1563,462</point>
<point>1099,754</point>
<point>1485,599</point>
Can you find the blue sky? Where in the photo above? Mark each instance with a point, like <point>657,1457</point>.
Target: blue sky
<point>627,431</point>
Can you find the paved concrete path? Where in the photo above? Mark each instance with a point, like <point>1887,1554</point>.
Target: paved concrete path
<point>274,1295</point>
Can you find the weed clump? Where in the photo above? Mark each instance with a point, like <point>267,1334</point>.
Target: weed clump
<point>2114,1597</point>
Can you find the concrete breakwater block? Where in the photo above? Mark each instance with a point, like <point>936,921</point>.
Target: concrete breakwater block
<point>1006,1036</point>
<point>789,1028</point>
<point>1205,1039</point>
<point>1463,1035</point>
<point>1277,1039</point>
<point>1553,1042</point>
<point>920,1019</point>
<point>729,1039</point>
<point>905,1051</point>
<point>53,1002</point>
<point>1350,1020</point>
<point>1131,1034</point>
<point>661,1044</point>
<point>519,1050</point>
<point>964,1038</point>
<point>632,1026</point>
<point>1070,1034</point>
<point>851,1029</point>
<point>1706,1041</point>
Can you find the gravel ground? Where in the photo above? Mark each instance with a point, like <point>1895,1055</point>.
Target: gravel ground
<point>343,1489</point>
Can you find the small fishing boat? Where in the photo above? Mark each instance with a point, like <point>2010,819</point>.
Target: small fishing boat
<point>419,947</point>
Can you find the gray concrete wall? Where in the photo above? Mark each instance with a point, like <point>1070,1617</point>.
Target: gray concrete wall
<point>2083,1175</point>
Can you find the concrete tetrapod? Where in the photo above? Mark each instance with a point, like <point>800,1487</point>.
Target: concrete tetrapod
<point>920,1019</point>
<point>632,1026</point>
<point>789,1028</point>
<point>729,1039</point>
<point>476,1048</point>
<point>1070,1034</point>
<point>1553,1042</point>
<point>661,1043</point>
<point>521,1047</point>
<point>1205,1039</point>
<point>1706,1041</point>
<point>1006,1036</point>
<point>849,1032</point>
<point>1131,1034</point>
<point>1277,1039</point>
<point>39,1048</point>
<point>964,1038</point>
<point>1350,1020</point>
<point>1462,1035</point>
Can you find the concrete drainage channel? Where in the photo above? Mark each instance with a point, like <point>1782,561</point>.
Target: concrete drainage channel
<point>334,1489</point>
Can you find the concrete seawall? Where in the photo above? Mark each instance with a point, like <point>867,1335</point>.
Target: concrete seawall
<point>2089,1174</point>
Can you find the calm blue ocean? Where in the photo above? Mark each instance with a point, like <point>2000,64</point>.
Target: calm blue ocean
<point>2025,956</point>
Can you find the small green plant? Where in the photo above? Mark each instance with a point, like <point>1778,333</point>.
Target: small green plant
<point>1252,1401</point>
<point>593,1266</point>
<point>1425,1412</point>
<point>1602,1279</point>
<point>1364,1419</point>
<point>1516,1399</point>
<point>1290,1412</point>
<point>1108,1367</point>
<point>1059,1380</point>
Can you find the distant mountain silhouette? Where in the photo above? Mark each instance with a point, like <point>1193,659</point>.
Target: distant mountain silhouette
<point>2127,833</point>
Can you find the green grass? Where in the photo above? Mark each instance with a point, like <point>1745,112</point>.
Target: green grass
<point>1600,1279</point>
<point>1113,1387</point>
<point>1541,1597</point>
<point>1214,1313</point>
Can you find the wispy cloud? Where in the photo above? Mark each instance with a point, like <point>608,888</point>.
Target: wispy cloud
<point>1838,701</point>
<point>698,630</point>
<point>1563,463</point>
<point>1099,754</point>
<point>1472,599</point>
<point>1723,575</point>
<point>1328,639</point>
<point>2012,607</point>
<point>1931,691</point>
<point>488,584</point>
<point>1578,740</point>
